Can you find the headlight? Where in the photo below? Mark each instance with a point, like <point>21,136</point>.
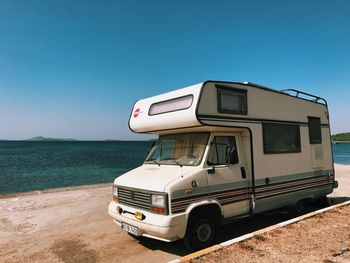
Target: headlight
<point>115,193</point>
<point>158,204</point>
<point>158,201</point>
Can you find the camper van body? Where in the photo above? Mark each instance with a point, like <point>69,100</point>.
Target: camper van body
<point>230,150</point>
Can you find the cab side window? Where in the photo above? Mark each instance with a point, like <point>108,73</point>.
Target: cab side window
<point>223,148</point>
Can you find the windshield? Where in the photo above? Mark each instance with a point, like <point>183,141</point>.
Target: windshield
<point>178,149</point>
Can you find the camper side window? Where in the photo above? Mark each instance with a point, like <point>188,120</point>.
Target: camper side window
<point>232,101</point>
<point>315,135</point>
<point>223,151</point>
<point>181,103</point>
<point>281,138</point>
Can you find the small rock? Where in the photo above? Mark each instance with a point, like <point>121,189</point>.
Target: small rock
<point>341,251</point>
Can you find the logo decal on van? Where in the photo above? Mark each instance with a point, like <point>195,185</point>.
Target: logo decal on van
<point>137,112</point>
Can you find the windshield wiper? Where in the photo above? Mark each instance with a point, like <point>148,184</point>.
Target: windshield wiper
<point>173,159</point>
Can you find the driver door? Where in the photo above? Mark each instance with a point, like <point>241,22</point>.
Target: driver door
<point>226,172</point>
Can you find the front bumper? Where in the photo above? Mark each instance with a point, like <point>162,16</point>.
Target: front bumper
<point>162,227</point>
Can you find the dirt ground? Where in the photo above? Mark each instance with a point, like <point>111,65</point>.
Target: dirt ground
<point>72,225</point>
<point>323,238</point>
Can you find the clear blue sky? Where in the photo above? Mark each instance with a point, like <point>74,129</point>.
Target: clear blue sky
<point>74,68</point>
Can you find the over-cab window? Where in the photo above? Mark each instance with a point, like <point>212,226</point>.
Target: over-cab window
<point>176,104</point>
<point>315,135</point>
<point>232,101</point>
<point>222,148</point>
<point>281,138</point>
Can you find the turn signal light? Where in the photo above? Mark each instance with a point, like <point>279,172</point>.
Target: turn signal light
<point>158,210</point>
<point>119,209</point>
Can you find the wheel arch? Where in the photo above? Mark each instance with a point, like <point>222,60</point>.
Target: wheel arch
<point>206,205</point>
<point>203,206</point>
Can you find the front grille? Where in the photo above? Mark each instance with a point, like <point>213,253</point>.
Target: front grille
<point>134,198</point>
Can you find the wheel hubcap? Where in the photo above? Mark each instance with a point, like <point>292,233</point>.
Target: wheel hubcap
<point>204,232</point>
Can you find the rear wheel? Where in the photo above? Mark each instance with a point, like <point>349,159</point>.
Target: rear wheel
<point>202,230</point>
<point>324,201</point>
<point>298,208</point>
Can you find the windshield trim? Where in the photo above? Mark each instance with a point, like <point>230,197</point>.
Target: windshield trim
<point>172,134</point>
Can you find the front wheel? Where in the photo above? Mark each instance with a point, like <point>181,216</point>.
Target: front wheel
<point>202,231</point>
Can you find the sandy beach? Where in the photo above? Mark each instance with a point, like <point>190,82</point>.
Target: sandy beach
<point>342,175</point>
<point>63,225</point>
<point>72,225</point>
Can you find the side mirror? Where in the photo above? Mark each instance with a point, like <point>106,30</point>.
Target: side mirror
<point>211,170</point>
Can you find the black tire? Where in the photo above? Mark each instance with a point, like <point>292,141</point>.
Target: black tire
<point>298,208</point>
<point>323,201</point>
<point>202,230</point>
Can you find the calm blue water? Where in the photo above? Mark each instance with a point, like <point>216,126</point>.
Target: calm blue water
<point>341,153</point>
<point>28,166</point>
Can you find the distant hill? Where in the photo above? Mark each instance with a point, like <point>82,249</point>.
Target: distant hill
<point>341,137</point>
<point>40,138</point>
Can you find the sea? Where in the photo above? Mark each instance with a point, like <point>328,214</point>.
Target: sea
<point>341,152</point>
<point>39,165</point>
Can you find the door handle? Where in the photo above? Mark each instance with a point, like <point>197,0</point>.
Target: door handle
<point>244,174</point>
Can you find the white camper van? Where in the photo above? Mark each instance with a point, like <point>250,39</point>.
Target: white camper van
<point>226,150</point>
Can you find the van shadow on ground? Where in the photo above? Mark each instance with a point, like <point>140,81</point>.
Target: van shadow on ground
<point>238,228</point>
